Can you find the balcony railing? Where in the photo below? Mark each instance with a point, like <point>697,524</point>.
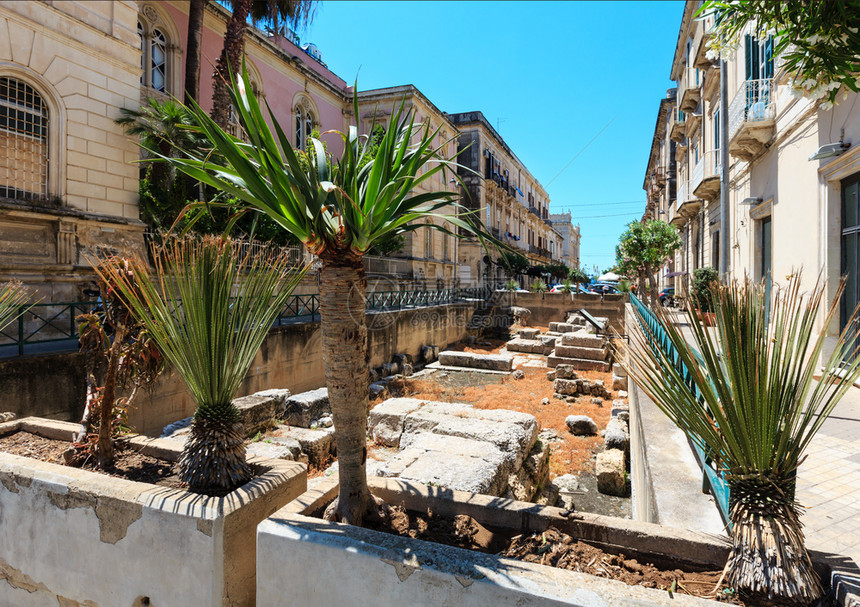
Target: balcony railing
<point>706,176</point>
<point>677,129</point>
<point>754,102</point>
<point>692,92</point>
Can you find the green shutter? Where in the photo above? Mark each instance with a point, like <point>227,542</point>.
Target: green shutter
<point>768,57</point>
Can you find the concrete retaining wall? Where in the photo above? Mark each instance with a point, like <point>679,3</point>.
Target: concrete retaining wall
<point>554,307</point>
<point>290,357</point>
<point>76,537</point>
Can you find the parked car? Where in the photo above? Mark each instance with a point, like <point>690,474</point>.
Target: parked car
<point>667,297</point>
<point>602,288</point>
<point>576,289</point>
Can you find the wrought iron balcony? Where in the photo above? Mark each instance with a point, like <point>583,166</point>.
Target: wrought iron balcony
<point>706,176</point>
<point>751,118</point>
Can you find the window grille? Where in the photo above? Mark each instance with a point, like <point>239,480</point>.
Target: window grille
<point>24,123</point>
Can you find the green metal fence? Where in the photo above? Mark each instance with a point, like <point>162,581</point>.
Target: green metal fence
<point>712,477</point>
<point>44,324</point>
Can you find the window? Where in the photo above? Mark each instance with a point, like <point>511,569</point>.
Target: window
<point>304,126</point>
<point>428,242</point>
<point>24,130</point>
<point>154,49</point>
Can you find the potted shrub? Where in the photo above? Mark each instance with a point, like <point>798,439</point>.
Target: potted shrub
<point>746,393</point>
<point>704,280</point>
<point>208,307</point>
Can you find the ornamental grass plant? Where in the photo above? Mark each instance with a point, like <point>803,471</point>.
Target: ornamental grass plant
<point>13,295</point>
<point>751,399</point>
<point>208,304</point>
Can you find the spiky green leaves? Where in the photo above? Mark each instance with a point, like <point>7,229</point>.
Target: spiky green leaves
<point>368,196</point>
<point>13,296</point>
<point>208,305</point>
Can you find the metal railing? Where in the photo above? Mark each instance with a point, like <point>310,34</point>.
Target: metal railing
<point>753,102</point>
<point>708,166</point>
<point>658,338</point>
<point>41,328</point>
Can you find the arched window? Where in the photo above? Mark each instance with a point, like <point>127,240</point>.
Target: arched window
<point>304,126</point>
<point>154,52</point>
<point>24,144</point>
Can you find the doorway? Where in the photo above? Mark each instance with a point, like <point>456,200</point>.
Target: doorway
<point>850,246</point>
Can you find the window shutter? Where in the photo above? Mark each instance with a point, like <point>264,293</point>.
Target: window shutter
<point>768,57</point>
<point>748,46</point>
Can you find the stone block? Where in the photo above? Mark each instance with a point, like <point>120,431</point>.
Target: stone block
<point>258,413</point>
<point>561,327</point>
<point>402,359</point>
<point>565,372</point>
<point>524,483</point>
<point>528,333</point>
<point>385,422</point>
<point>609,469</point>
<point>429,353</point>
<point>580,364</point>
<point>491,362</point>
<point>549,341</point>
<point>318,445</point>
<point>456,471</point>
<point>270,450</point>
<point>551,375</point>
<point>618,382</point>
<point>581,352</point>
<point>582,340</point>
<point>518,374</point>
<point>567,387</point>
<point>616,436</point>
<point>567,486</point>
<point>406,369</point>
<point>290,444</point>
<point>521,316</point>
<point>376,388</point>
<point>302,409</point>
<point>618,370</point>
<point>279,394</point>
<point>581,425</point>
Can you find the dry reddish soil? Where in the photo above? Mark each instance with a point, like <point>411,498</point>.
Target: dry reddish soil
<point>571,455</point>
<point>128,462</point>
<point>553,548</point>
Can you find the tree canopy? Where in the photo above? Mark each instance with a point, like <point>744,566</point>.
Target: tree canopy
<point>817,39</point>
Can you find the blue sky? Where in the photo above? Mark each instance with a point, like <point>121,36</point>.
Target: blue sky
<point>549,75</point>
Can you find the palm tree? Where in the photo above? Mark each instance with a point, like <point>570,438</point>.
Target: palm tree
<point>196,9</point>
<point>297,13</point>
<point>746,393</point>
<point>208,306</point>
<point>339,213</point>
<point>12,297</point>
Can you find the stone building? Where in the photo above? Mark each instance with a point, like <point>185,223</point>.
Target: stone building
<point>570,235</point>
<point>68,184</point>
<point>68,178</point>
<point>510,201</point>
<point>427,258</point>
<point>794,168</point>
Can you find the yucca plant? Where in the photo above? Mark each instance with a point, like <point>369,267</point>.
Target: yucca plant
<point>339,211</point>
<point>751,400</point>
<point>208,304</point>
<point>13,295</point>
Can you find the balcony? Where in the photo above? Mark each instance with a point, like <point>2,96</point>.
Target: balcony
<point>660,176</point>
<point>677,127</point>
<point>692,94</point>
<point>673,218</point>
<point>706,176</point>
<point>700,60</point>
<point>534,211</point>
<point>752,119</point>
<point>687,203</point>
<point>711,82</point>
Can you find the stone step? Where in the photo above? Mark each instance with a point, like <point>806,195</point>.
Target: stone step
<point>562,327</point>
<point>581,352</point>
<point>581,364</point>
<point>582,339</point>
<point>528,333</point>
<point>531,346</point>
<point>493,362</point>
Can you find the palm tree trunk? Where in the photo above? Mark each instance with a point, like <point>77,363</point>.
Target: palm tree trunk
<point>230,59</point>
<point>344,346</point>
<point>105,444</point>
<point>192,57</point>
<point>768,559</point>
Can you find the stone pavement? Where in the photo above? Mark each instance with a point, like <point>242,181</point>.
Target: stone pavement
<point>828,482</point>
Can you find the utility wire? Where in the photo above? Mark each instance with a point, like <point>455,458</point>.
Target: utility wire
<point>615,215</point>
<point>599,133</point>
<point>597,204</point>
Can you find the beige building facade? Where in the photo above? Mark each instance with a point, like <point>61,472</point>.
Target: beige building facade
<point>570,237</point>
<point>511,203</point>
<point>794,169</point>
<point>68,184</point>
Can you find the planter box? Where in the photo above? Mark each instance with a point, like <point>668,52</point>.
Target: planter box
<point>74,535</point>
<point>306,561</point>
